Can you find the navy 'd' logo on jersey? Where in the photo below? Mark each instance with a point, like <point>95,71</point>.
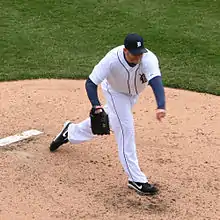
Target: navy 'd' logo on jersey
<point>143,78</point>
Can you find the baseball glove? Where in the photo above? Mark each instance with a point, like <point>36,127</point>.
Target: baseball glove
<point>99,121</point>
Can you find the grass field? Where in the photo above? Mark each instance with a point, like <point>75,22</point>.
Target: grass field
<point>65,39</point>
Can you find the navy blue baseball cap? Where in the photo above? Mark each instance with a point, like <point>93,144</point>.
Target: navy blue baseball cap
<point>134,43</point>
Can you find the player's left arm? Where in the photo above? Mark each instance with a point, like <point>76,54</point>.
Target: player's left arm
<point>99,73</point>
<point>91,89</point>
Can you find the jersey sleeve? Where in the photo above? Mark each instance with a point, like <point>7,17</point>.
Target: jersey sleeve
<point>101,70</point>
<point>151,66</point>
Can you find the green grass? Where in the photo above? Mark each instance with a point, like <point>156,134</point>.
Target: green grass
<point>65,39</point>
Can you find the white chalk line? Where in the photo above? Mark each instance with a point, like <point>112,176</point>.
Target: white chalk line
<point>19,137</point>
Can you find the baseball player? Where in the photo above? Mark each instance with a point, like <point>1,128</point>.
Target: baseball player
<point>123,73</point>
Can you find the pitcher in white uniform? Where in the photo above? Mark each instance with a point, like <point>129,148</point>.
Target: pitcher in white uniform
<point>123,73</point>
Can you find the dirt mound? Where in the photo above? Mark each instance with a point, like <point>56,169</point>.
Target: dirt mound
<point>86,181</point>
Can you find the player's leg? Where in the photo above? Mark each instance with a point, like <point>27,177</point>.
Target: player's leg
<point>74,133</point>
<point>121,119</point>
<point>81,132</point>
<point>61,138</point>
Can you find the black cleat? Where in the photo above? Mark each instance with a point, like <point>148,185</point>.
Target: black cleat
<point>143,188</point>
<point>61,138</point>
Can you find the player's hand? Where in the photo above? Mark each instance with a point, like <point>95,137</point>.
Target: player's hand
<point>99,121</point>
<point>160,113</point>
<point>98,108</point>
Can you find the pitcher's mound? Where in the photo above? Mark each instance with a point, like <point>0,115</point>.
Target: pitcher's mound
<point>86,181</point>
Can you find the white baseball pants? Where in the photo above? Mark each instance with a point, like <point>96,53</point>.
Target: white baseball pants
<point>119,108</point>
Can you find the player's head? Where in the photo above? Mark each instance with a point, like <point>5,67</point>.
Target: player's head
<point>134,47</point>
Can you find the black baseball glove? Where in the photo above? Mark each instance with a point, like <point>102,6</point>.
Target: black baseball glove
<point>99,121</point>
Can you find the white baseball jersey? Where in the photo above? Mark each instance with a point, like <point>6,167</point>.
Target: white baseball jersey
<point>123,78</point>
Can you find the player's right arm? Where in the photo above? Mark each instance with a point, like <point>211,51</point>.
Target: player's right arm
<point>152,70</point>
<point>99,73</point>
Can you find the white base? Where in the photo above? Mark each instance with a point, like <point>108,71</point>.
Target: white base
<point>19,137</point>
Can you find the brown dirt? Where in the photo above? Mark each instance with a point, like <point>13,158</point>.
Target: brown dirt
<point>86,181</point>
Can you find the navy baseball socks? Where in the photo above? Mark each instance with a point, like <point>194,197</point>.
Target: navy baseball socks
<point>143,188</point>
<point>61,138</point>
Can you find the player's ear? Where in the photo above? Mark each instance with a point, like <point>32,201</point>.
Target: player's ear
<point>126,51</point>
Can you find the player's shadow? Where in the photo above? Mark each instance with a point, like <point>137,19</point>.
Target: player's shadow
<point>124,199</point>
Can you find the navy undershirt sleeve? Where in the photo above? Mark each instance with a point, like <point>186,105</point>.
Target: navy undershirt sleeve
<point>158,89</point>
<point>155,83</point>
<point>91,89</point>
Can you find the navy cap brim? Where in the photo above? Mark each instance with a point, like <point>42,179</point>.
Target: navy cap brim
<point>138,51</point>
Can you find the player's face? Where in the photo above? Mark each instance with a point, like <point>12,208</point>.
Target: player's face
<point>132,58</point>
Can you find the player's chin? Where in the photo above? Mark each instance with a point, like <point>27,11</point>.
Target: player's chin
<point>136,61</point>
